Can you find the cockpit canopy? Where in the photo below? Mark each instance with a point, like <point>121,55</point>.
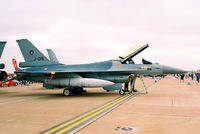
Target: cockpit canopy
<point>130,53</point>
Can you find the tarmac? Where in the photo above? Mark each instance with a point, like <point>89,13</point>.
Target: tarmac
<point>170,107</point>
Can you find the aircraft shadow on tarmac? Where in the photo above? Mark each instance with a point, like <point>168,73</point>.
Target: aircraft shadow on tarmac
<point>59,95</point>
<point>4,93</point>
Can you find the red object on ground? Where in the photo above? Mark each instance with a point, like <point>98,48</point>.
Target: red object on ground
<point>9,83</point>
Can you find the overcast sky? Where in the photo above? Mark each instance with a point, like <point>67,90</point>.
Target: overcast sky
<point>84,31</point>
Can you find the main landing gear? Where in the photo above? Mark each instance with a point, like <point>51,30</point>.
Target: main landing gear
<point>70,91</point>
<point>67,92</point>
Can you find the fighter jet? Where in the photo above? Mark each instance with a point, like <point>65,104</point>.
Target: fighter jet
<point>3,74</point>
<point>110,75</point>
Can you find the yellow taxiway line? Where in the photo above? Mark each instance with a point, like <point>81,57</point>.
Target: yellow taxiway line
<point>72,124</point>
<point>62,128</point>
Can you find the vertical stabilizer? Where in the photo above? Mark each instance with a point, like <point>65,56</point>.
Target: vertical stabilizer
<point>2,45</point>
<point>30,52</point>
<point>52,56</point>
<point>32,56</point>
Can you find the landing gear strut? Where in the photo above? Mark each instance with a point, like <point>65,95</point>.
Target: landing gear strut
<point>132,82</point>
<point>132,79</point>
<point>79,90</point>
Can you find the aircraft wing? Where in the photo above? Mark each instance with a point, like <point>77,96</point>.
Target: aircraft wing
<point>128,71</point>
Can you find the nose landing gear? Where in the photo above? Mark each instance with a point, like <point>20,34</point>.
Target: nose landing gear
<point>132,79</point>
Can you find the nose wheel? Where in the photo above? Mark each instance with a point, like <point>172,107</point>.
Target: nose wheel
<point>121,92</point>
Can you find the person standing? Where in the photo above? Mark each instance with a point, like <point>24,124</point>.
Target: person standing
<point>192,76</point>
<point>182,77</point>
<point>198,77</point>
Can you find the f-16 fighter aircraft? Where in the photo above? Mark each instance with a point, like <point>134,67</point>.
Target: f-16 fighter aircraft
<point>3,74</point>
<point>73,78</point>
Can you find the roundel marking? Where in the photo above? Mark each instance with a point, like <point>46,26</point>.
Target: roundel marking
<point>31,52</point>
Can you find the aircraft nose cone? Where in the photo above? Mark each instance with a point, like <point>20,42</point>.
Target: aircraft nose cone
<point>172,70</point>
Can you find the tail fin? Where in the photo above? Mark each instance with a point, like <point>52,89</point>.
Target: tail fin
<point>2,45</point>
<point>52,56</point>
<point>32,56</point>
<point>30,52</point>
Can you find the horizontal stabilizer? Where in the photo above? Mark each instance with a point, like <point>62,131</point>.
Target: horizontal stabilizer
<point>35,64</point>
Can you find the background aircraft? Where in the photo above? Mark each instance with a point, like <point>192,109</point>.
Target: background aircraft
<point>107,74</point>
<point>3,74</point>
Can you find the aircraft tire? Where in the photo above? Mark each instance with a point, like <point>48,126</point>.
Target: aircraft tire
<point>121,92</point>
<point>66,92</point>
